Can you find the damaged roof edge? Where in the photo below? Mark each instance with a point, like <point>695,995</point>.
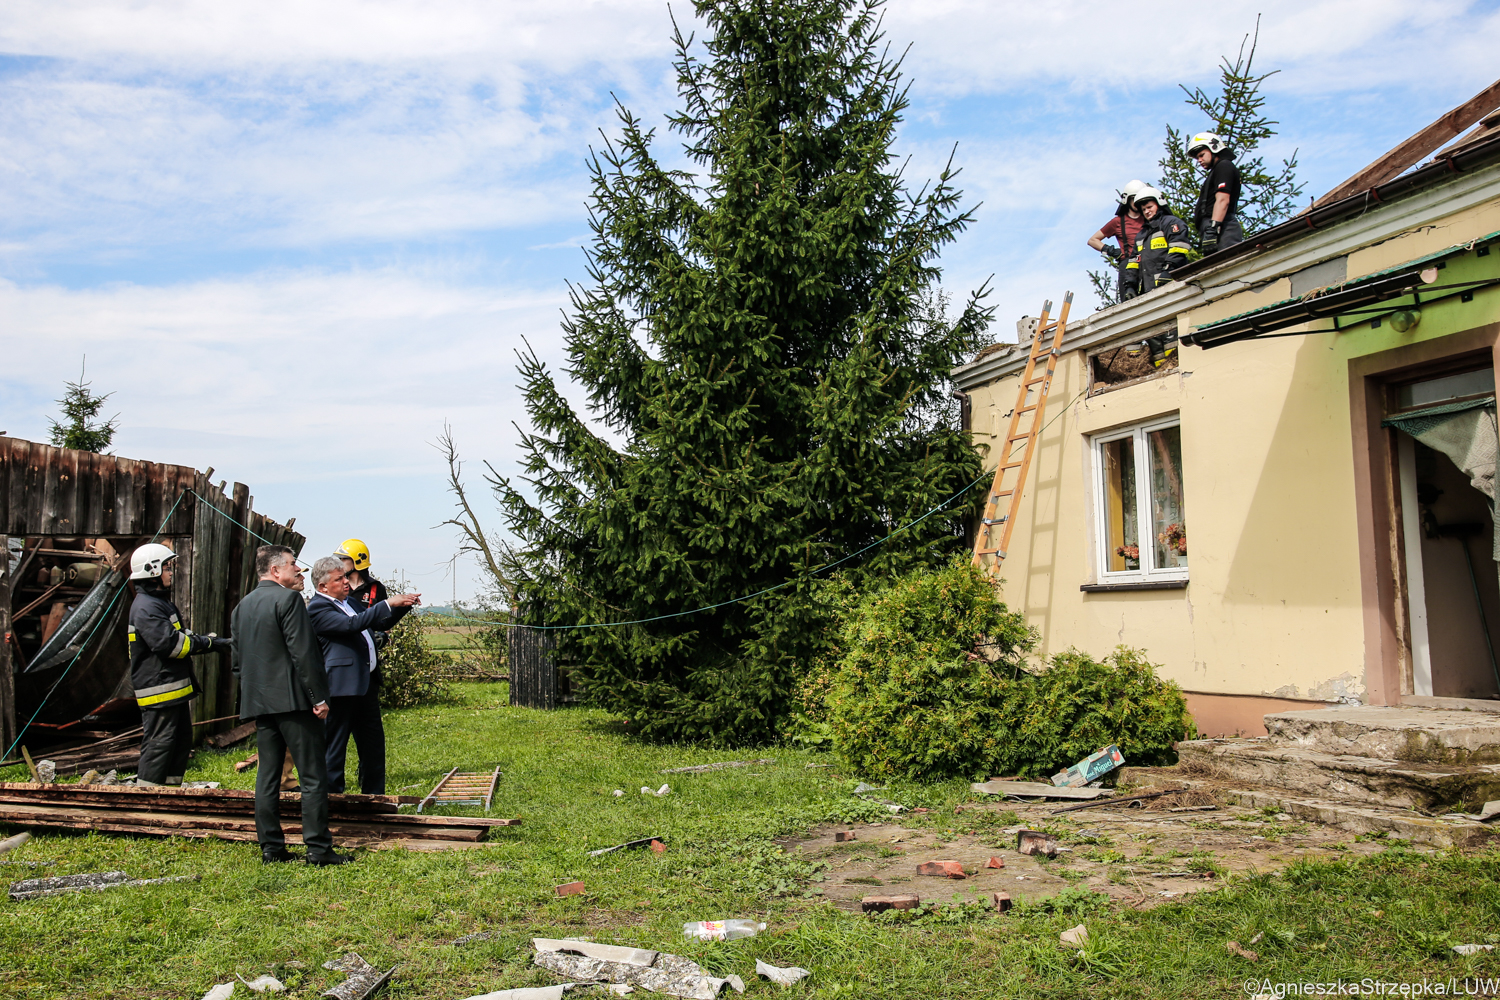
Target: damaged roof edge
<point>1479,154</point>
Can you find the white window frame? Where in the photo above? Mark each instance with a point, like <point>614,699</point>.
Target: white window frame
<point>1148,573</point>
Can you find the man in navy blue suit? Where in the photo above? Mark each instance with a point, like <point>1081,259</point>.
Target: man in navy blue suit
<point>353,681</point>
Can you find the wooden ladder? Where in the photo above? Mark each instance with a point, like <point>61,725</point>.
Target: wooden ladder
<point>1046,344</point>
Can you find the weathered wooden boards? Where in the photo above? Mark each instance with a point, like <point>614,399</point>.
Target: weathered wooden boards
<point>228,814</point>
<point>56,496</point>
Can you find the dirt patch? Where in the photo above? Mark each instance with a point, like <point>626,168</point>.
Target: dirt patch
<point>1139,856</point>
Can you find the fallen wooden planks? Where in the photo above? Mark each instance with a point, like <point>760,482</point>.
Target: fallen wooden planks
<point>228,814</point>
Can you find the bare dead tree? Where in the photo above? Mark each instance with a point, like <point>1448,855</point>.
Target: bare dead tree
<point>498,559</point>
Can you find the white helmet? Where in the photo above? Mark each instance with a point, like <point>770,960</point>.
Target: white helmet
<point>1148,193</point>
<point>1129,191</point>
<point>147,561</point>
<point>1205,140</point>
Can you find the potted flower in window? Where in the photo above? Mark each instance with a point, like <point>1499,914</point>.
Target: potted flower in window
<point>1174,537</point>
<point>1131,554</point>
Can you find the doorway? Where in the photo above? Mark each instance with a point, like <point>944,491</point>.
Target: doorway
<point>1448,534</point>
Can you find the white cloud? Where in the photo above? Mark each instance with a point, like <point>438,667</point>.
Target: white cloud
<point>321,391</point>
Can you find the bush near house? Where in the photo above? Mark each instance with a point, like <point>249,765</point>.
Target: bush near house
<point>930,684</point>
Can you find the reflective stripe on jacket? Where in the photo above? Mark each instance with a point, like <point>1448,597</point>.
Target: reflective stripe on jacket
<point>159,650</point>
<point>1162,246</point>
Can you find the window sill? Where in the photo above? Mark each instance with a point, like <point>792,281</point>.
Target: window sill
<point>1107,588</point>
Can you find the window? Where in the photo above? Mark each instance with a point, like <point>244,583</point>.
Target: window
<point>1142,521</point>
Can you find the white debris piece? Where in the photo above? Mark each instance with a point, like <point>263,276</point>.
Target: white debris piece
<point>606,952</point>
<point>1075,936</point>
<point>528,993</point>
<point>663,790</point>
<point>736,982</point>
<point>221,992</point>
<point>776,974</point>
<point>618,792</point>
<point>263,984</point>
<point>672,975</point>
<point>1472,949</point>
<point>46,770</point>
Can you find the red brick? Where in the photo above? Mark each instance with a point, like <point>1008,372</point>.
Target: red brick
<point>995,863</point>
<point>1000,900</point>
<point>900,901</point>
<point>943,869</point>
<point>658,847</point>
<point>844,836</point>
<point>570,889</point>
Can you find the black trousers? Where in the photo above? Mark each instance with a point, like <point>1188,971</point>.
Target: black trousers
<point>302,734</point>
<point>166,744</point>
<point>357,716</point>
<point>1230,232</point>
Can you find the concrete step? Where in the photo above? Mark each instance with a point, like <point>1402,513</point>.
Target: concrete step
<point>1430,788</point>
<point>1436,831</point>
<point>1417,735</point>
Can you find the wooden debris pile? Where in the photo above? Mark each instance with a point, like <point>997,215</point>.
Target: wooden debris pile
<point>354,820</point>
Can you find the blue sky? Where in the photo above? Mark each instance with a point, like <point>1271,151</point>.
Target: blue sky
<point>296,238</point>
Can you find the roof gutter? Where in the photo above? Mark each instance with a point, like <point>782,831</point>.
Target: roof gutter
<point>1317,218</point>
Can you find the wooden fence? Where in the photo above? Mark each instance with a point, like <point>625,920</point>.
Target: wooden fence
<point>59,497</point>
<point>533,669</point>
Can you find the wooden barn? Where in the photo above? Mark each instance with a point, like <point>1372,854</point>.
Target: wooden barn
<point>68,523</point>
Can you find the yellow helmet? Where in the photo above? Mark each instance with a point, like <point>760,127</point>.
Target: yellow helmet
<point>357,550</point>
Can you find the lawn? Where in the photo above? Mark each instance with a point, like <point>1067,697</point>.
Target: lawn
<point>1390,917</point>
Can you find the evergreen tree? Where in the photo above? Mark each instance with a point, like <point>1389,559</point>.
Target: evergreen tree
<point>80,408</point>
<point>1234,114</point>
<point>766,340</point>
<point>1267,195</point>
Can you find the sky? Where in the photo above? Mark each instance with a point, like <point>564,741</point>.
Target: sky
<point>296,239</point>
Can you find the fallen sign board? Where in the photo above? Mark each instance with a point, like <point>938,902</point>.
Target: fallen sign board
<point>1038,790</point>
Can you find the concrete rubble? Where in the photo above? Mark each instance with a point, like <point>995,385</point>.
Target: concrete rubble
<point>364,979</point>
<point>673,975</point>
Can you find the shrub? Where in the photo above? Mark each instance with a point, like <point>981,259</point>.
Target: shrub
<point>1079,705</point>
<point>911,698</point>
<point>411,672</point>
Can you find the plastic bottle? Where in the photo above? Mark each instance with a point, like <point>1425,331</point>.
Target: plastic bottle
<point>721,930</point>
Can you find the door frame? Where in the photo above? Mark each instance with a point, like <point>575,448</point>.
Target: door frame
<point>1378,505</point>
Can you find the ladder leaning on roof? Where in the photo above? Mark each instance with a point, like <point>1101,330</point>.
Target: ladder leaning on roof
<point>1046,344</point>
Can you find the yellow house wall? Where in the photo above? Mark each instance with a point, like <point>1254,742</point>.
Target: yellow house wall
<point>1274,603</point>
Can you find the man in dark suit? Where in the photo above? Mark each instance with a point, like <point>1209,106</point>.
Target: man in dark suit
<point>284,689</point>
<point>353,680</point>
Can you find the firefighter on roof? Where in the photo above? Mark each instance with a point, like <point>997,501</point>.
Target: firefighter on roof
<point>159,670</point>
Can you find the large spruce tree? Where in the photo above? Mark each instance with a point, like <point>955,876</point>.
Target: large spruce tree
<point>766,340</point>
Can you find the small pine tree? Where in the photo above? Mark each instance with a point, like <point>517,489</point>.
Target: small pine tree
<point>768,343</point>
<point>81,407</point>
<point>1234,114</point>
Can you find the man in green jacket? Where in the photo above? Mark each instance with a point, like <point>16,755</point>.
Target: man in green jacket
<point>284,688</point>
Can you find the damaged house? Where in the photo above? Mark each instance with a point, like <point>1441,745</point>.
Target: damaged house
<point>1276,473</point>
<point>69,521</point>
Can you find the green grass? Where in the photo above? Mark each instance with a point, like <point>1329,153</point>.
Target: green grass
<point>1392,915</point>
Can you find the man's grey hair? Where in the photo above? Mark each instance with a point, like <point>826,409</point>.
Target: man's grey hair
<point>323,569</point>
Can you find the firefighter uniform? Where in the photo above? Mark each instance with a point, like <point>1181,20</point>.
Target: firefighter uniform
<point>163,682</point>
<point>1162,246</point>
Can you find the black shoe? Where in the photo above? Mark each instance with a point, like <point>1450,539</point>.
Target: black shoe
<point>325,860</point>
<point>280,855</point>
